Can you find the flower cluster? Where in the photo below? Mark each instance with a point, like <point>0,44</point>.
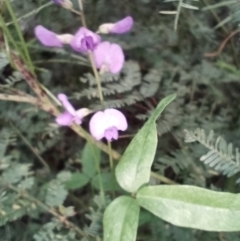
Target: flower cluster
<point>108,57</point>
<point>105,123</point>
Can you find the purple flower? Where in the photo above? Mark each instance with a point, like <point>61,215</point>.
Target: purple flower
<point>120,27</point>
<point>107,123</point>
<point>51,39</point>
<point>85,40</point>
<point>108,57</point>
<point>70,115</point>
<point>58,1</point>
<point>64,3</point>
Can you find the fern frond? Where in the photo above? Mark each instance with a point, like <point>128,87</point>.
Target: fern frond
<point>56,193</point>
<point>74,58</point>
<point>7,137</point>
<point>54,231</point>
<point>123,85</point>
<point>126,101</point>
<point>112,83</point>
<point>96,216</point>
<point>221,156</point>
<point>12,208</point>
<point>150,83</point>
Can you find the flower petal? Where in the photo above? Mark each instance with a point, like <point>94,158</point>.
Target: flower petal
<point>47,37</point>
<point>65,38</point>
<point>105,28</point>
<point>122,26</point>
<point>97,125</point>
<point>100,53</point>
<point>84,40</point>
<point>111,133</point>
<point>66,104</point>
<point>116,58</point>
<point>115,118</point>
<point>64,119</point>
<point>83,112</point>
<point>109,56</point>
<point>57,1</point>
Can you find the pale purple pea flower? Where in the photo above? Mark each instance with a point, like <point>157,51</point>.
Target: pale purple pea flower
<point>70,115</point>
<point>108,57</point>
<point>85,40</point>
<point>51,39</point>
<point>120,27</point>
<point>58,1</point>
<point>107,123</point>
<point>64,3</point>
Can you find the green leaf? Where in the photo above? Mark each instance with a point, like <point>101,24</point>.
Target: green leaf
<point>90,159</point>
<point>134,168</point>
<point>77,180</point>
<point>56,193</point>
<point>27,183</point>
<point>193,207</point>
<point>120,220</point>
<point>64,176</point>
<point>109,184</point>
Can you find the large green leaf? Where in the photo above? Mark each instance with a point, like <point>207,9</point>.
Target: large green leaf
<point>193,207</point>
<point>90,159</point>
<point>120,220</point>
<point>134,168</point>
<point>109,183</point>
<point>77,180</point>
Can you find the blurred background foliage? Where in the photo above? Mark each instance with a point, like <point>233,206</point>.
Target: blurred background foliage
<point>165,53</point>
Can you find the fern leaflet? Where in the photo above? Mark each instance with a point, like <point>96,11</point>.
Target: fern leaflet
<point>221,156</point>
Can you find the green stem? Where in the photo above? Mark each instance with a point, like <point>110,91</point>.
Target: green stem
<point>90,56</point>
<point>98,80</point>
<point>111,166</point>
<point>44,163</point>
<point>99,171</point>
<point>75,11</point>
<point>64,61</point>
<point>8,35</point>
<point>102,194</point>
<point>82,13</point>
<point>110,155</point>
<point>7,49</point>
<point>32,12</point>
<point>162,178</point>
<point>178,14</point>
<point>19,32</point>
